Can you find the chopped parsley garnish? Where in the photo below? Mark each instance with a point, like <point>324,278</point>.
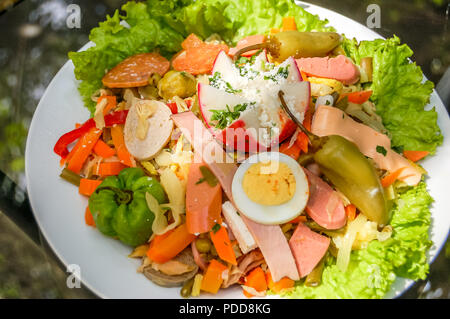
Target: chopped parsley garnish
<point>228,116</point>
<point>200,180</point>
<point>208,176</point>
<point>281,73</point>
<point>381,150</point>
<point>219,83</point>
<point>216,228</point>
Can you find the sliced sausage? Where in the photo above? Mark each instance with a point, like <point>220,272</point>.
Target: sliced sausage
<point>324,206</point>
<point>135,70</point>
<point>308,248</point>
<point>339,68</point>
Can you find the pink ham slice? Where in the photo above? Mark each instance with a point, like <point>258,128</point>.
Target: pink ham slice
<point>329,120</point>
<point>324,206</point>
<point>270,239</point>
<point>339,68</point>
<point>308,248</point>
<point>247,41</point>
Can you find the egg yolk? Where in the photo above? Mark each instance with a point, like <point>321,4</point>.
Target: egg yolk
<point>270,183</point>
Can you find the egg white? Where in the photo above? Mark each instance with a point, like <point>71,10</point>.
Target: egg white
<point>274,214</point>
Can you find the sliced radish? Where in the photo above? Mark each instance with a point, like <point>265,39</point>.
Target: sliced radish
<point>225,66</point>
<point>210,98</point>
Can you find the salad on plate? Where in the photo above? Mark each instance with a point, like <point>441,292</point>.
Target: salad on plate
<point>234,142</point>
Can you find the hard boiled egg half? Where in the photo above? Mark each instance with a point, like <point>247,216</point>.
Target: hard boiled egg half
<point>270,188</point>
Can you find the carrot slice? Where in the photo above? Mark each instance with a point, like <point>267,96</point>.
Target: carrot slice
<point>223,246</point>
<point>135,70</point>
<point>121,149</point>
<point>299,219</point>
<point>289,24</point>
<point>82,152</point>
<point>275,30</point>
<point>302,142</point>
<point>103,150</point>
<point>110,169</point>
<point>350,210</point>
<point>87,186</point>
<point>256,279</point>
<point>192,41</point>
<point>292,151</point>
<point>171,245</point>
<point>212,280</point>
<point>111,103</point>
<point>391,178</point>
<point>279,286</point>
<point>88,218</point>
<point>415,155</point>
<point>197,58</point>
<point>357,97</point>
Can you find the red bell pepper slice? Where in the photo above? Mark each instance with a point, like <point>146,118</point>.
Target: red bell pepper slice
<point>65,140</point>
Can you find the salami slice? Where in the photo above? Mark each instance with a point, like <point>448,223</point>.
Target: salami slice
<point>135,70</point>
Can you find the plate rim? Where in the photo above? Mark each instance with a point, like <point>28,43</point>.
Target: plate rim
<point>68,63</point>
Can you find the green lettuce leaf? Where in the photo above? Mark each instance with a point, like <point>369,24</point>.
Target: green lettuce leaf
<point>399,93</point>
<point>232,19</point>
<point>373,270</point>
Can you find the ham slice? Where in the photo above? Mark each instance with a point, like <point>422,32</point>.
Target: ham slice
<point>245,264</point>
<point>330,120</point>
<point>272,242</point>
<point>339,68</point>
<point>270,238</point>
<point>308,248</point>
<point>324,205</point>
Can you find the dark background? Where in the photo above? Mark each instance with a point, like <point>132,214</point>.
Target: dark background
<point>34,41</point>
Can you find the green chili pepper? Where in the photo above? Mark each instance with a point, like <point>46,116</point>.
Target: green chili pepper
<point>349,171</point>
<point>119,207</point>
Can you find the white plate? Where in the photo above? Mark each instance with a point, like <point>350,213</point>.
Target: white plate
<point>105,268</point>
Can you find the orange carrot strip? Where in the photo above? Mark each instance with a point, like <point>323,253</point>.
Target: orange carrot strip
<point>277,287</point>
<point>302,142</point>
<point>82,152</point>
<point>110,168</point>
<point>111,103</point>
<point>350,210</point>
<point>256,279</point>
<point>292,151</point>
<point>223,246</point>
<point>391,178</point>
<point>212,280</point>
<point>88,218</point>
<point>87,186</point>
<point>357,97</point>
<point>274,30</point>
<point>171,246</point>
<point>304,75</point>
<point>298,219</point>
<point>415,155</point>
<point>103,150</point>
<point>289,24</point>
<point>121,149</point>
<point>308,119</point>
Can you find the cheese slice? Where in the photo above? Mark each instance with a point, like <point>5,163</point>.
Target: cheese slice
<point>330,120</point>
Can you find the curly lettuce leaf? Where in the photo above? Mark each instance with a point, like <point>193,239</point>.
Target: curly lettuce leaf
<point>232,19</point>
<point>115,42</point>
<point>399,93</point>
<point>372,270</point>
